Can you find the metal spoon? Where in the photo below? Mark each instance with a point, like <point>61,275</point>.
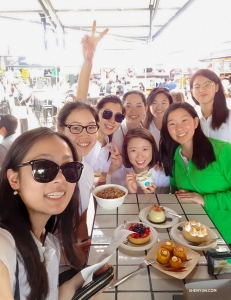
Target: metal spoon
<point>125,227</point>
<point>170,213</point>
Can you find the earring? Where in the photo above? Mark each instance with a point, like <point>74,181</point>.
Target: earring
<point>15,193</point>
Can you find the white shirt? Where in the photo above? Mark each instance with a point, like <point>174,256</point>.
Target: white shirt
<point>160,179</point>
<point>223,133</point>
<point>49,253</point>
<point>155,132</point>
<point>118,136</point>
<point>99,157</point>
<point>85,185</point>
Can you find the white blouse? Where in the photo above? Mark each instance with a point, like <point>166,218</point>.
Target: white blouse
<point>160,179</point>
<point>155,132</point>
<point>223,133</point>
<point>85,185</point>
<point>99,157</point>
<point>49,253</point>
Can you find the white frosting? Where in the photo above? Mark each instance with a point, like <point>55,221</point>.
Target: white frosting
<point>143,176</point>
<point>196,229</point>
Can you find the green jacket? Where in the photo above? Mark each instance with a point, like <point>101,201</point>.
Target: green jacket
<point>213,182</point>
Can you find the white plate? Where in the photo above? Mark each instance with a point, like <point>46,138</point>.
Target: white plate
<point>176,234</point>
<point>133,247</point>
<point>144,213</point>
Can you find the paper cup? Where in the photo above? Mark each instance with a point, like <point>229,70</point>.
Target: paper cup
<point>146,182</point>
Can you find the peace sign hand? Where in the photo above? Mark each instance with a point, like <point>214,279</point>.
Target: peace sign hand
<point>90,42</point>
<point>116,158</point>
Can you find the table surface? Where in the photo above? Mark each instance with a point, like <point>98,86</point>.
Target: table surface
<point>149,283</point>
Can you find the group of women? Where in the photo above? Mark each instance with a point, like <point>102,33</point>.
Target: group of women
<point>39,194</point>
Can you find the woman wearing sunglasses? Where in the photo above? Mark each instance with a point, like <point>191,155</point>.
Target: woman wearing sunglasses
<point>38,196</point>
<point>158,101</point>
<point>135,110</point>
<point>199,166</point>
<point>207,91</point>
<point>103,157</point>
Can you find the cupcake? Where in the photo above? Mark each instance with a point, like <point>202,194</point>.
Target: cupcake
<point>144,178</point>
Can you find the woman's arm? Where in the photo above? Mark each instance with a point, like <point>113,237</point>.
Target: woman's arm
<point>67,289</point>
<point>89,44</point>
<point>5,288</point>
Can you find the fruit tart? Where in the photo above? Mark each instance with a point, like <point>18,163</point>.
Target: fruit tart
<point>141,235</point>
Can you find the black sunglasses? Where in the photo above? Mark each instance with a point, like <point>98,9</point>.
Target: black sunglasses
<point>44,171</point>
<point>107,115</point>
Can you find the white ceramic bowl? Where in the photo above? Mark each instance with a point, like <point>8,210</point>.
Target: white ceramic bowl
<point>109,203</point>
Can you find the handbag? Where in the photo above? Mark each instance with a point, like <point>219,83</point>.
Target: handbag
<point>98,282</point>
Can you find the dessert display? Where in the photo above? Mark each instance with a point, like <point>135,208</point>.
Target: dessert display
<point>172,256</point>
<point>163,256</point>
<point>175,262</point>
<point>144,178</point>
<point>157,215</point>
<point>110,193</point>
<point>141,235</point>
<point>195,232</point>
<point>169,245</point>
<point>180,251</point>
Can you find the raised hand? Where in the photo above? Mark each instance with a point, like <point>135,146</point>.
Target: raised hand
<point>116,158</point>
<point>150,189</point>
<point>90,42</point>
<point>131,183</point>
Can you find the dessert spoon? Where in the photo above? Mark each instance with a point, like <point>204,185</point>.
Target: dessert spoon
<point>170,213</point>
<point>125,227</point>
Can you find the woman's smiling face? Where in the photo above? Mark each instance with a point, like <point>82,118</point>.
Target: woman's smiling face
<point>51,198</point>
<point>83,141</point>
<point>181,126</point>
<point>159,105</point>
<point>135,109</point>
<point>110,126</point>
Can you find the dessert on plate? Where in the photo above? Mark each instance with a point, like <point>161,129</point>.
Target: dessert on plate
<point>195,232</point>
<point>156,215</point>
<point>144,178</point>
<point>169,245</point>
<point>141,235</point>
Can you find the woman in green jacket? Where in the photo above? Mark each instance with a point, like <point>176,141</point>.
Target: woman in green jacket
<point>200,167</point>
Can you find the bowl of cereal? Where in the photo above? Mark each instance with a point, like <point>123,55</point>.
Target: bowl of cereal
<point>110,196</point>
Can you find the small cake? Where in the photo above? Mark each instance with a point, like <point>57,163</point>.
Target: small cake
<point>141,235</point>
<point>169,245</point>
<point>163,256</point>
<point>175,262</point>
<point>157,215</point>
<point>180,252</point>
<point>144,178</point>
<point>195,232</point>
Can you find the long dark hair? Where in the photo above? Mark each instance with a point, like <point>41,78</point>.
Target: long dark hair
<point>151,97</point>
<point>142,133</point>
<point>201,158</point>
<point>67,109</point>
<point>220,110</point>
<point>14,216</point>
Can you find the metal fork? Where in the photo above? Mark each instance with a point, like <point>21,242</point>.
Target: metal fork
<point>142,265</point>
